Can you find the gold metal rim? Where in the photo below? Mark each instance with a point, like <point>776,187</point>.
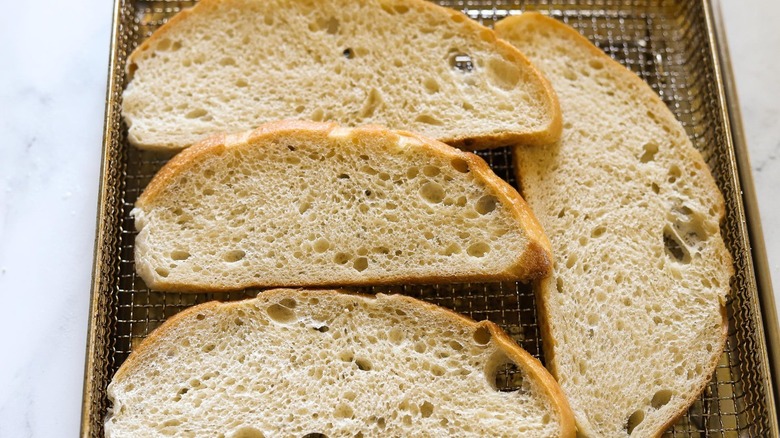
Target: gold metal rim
<point>102,217</point>
<point>755,234</point>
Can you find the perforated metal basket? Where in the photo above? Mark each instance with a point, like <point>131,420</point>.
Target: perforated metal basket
<point>672,45</point>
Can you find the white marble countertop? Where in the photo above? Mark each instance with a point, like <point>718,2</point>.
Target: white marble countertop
<point>52,91</point>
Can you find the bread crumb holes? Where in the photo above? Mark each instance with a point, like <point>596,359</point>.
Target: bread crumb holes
<point>661,398</point>
<point>634,420</point>
<point>246,432</point>
<point>482,335</point>
<point>233,256</point>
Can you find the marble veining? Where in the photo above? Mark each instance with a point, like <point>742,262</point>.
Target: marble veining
<point>769,160</point>
<point>52,95</point>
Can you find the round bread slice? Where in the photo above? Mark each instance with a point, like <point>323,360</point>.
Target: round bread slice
<point>231,65</point>
<point>633,316</point>
<point>328,364</point>
<point>311,204</point>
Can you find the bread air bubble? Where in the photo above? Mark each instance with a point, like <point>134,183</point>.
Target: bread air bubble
<point>596,64</point>
<point>674,174</point>
<point>438,370</point>
<point>363,364</point>
<point>246,432</point>
<point>396,336</point>
<point>452,249</point>
<point>460,165</point>
<point>196,113</point>
<point>634,420</point>
<point>431,85</point>
<point>321,245</point>
<point>431,171</point>
<point>482,335</point>
<point>486,204</point>
<point>180,255</point>
<point>341,258</point>
<point>233,256</point>
<point>432,192</point>
<point>502,374</point>
<point>478,249</point>
<point>343,411</point>
<point>289,303</point>
<point>164,44</point>
<point>650,149</point>
<point>461,62</point>
<point>426,409</point>
<point>360,264</point>
<point>280,313</point>
<point>346,356</point>
<point>162,272</point>
<point>661,398</point>
<point>674,247</point>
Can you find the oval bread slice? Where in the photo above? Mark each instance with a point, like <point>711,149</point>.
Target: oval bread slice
<point>322,363</point>
<point>633,316</point>
<point>311,204</point>
<point>231,65</point>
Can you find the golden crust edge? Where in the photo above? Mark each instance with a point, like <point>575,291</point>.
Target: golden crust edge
<point>627,76</point>
<point>215,144</point>
<point>540,287</point>
<point>712,367</point>
<point>549,133</point>
<point>504,343</point>
<point>534,262</point>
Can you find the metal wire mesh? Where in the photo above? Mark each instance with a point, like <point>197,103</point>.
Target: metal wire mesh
<point>664,42</point>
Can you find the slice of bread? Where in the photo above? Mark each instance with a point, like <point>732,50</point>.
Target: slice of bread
<point>310,204</point>
<point>633,316</point>
<point>295,363</point>
<point>231,65</point>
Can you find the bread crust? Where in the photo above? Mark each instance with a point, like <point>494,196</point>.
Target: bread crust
<point>544,287</point>
<point>548,344</point>
<point>533,263</point>
<point>626,76</point>
<point>694,394</point>
<point>533,368</point>
<point>539,373</point>
<point>550,133</point>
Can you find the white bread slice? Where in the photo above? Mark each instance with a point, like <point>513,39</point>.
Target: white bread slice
<point>309,204</point>
<point>295,363</point>
<point>230,65</point>
<point>633,317</point>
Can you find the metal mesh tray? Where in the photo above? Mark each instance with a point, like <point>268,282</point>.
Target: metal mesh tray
<point>669,44</point>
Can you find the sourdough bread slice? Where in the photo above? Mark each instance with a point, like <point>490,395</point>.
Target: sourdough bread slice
<point>311,204</point>
<point>296,363</point>
<point>231,65</point>
<point>633,315</point>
